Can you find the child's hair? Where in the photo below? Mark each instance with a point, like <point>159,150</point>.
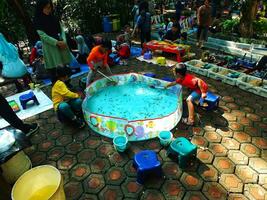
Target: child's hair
<point>107,44</point>
<point>180,68</point>
<point>62,72</point>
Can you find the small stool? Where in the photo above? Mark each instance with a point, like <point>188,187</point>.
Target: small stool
<point>25,98</point>
<point>148,55</point>
<point>161,61</point>
<point>185,150</point>
<point>212,100</point>
<point>146,162</point>
<point>168,79</point>
<point>152,75</point>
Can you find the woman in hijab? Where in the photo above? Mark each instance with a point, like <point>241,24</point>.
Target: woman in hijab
<point>83,50</point>
<point>55,49</point>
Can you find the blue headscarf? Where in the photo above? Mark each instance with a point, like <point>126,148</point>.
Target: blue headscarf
<point>82,47</point>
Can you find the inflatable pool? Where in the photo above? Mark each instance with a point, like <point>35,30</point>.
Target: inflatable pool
<point>138,107</point>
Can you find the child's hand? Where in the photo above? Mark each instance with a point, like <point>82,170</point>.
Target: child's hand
<point>203,95</point>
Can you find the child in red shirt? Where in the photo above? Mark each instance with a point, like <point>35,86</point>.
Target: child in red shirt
<point>198,86</point>
<point>98,58</point>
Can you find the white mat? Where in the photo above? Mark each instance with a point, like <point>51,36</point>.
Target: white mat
<point>169,63</point>
<point>45,104</point>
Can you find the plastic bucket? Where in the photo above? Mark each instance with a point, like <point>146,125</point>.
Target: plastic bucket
<point>15,167</point>
<point>107,24</point>
<point>120,143</point>
<point>165,138</point>
<point>42,183</point>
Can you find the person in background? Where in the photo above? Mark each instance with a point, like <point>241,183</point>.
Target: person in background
<point>143,6</point>
<point>10,116</point>
<point>199,89</point>
<point>67,104</point>
<point>204,21</point>
<point>135,11</point>
<point>98,58</point>
<point>83,50</point>
<point>144,26</point>
<point>55,48</point>
<point>36,50</point>
<point>178,10</point>
<point>174,34</point>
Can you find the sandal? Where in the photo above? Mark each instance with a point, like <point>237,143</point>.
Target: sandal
<point>187,122</point>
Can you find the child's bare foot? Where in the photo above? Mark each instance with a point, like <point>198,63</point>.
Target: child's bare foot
<point>188,121</point>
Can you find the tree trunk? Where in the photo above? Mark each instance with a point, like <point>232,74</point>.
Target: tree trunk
<point>17,6</point>
<point>248,14</point>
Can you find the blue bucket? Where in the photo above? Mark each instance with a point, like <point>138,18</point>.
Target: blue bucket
<point>165,138</point>
<point>120,143</point>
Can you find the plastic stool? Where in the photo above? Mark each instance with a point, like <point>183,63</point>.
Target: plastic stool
<point>152,75</point>
<point>161,61</point>
<point>148,55</point>
<point>168,79</point>
<point>184,149</point>
<point>25,98</point>
<point>146,162</point>
<point>212,100</point>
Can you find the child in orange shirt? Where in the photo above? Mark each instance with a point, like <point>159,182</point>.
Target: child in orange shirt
<point>98,58</point>
<point>199,89</point>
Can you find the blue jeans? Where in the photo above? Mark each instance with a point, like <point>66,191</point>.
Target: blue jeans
<point>194,97</point>
<point>67,109</point>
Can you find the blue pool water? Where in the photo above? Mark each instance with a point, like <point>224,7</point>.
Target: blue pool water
<point>133,101</point>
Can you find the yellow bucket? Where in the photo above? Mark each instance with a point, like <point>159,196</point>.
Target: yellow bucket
<point>40,183</point>
<point>15,167</point>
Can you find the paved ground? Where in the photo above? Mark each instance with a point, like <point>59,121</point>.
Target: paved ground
<point>234,165</point>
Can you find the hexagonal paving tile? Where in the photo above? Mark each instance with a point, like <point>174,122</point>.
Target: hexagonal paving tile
<point>197,131</point>
<point>46,145</point>
<point>245,121</point>
<point>53,134</point>
<point>172,189</point>
<point>64,140</point>
<point>228,99</point>
<point>92,142</point>
<point>115,176</point>
<point>205,156</point>
<point>191,181</point>
<point>38,158</point>
<point>199,141</point>
<point>212,137</point>
<point>238,113</point>
<point>94,183</point>
<point>194,195</point>
<point>152,195</point>
<point>74,148</point>
<point>171,170</point>
<point>254,117</point>
<point>225,132</point>
<point>252,131</point>
<point>246,174</point>
<point>38,138</point>
<point>242,137</point>
<point>232,106</point>
<point>153,145</point>
<point>237,197</point>
<point>88,197</point>
<point>163,155</point>
<point>80,172</point>
<point>131,188</point>
<point>73,190</point>
<point>111,192</point>
<point>258,165</point>
<point>105,150</point>
<point>263,180</point>
<point>229,117</point>
<point>129,169</point>
<point>86,156</point>
<point>55,153</point>
<point>118,159</point>
<point>154,182</point>
<point>230,143</point>
<point>80,136</point>
<point>255,192</point>
<point>214,190</point>
<point>238,157</point>
<point>217,149</point>
<point>250,150</point>
<point>66,162</point>
<point>224,165</point>
<point>234,126</point>
<point>260,142</point>
<point>99,165</point>
<point>231,183</point>
<point>208,172</point>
